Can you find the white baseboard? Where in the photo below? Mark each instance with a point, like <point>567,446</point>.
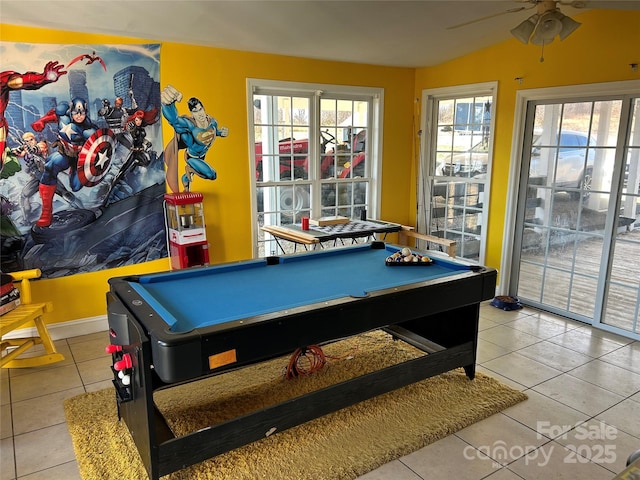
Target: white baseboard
<point>62,330</point>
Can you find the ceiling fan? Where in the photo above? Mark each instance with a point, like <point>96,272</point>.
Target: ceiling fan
<point>542,27</point>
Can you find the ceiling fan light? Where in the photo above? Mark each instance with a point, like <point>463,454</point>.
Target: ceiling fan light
<point>549,25</point>
<point>569,25</point>
<point>537,40</point>
<point>523,31</point>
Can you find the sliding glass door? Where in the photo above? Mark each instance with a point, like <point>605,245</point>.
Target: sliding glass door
<point>622,299</point>
<point>577,246</point>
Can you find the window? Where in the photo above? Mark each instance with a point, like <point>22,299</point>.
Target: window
<point>315,154</point>
<point>455,168</point>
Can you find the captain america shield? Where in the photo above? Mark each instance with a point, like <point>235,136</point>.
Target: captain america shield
<point>95,157</point>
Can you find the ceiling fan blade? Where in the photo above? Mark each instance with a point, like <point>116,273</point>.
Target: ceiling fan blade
<point>511,10</point>
<point>573,3</point>
<point>603,4</point>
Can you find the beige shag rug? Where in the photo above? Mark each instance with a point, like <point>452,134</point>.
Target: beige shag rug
<point>339,446</point>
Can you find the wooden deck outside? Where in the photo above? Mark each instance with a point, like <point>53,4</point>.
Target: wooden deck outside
<point>576,293</point>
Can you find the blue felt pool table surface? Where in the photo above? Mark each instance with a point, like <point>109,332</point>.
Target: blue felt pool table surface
<point>195,298</point>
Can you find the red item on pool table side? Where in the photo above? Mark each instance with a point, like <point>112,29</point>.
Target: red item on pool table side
<point>123,364</point>
<point>113,348</point>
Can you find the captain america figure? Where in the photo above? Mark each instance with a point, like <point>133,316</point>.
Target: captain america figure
<point>74,128</point>
<point>195,134</point>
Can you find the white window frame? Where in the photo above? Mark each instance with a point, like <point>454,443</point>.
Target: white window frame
<point>316,91</point>
<point>428,126</point>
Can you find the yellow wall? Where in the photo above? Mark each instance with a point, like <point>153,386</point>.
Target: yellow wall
<point>218,78</point>
<point>599,51</point>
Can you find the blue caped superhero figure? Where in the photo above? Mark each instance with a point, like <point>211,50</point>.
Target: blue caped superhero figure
<point>194,134</point>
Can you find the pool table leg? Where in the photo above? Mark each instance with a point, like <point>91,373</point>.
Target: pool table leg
<point>443,331</point>
<point>136,408</point>
<point>470,370</point>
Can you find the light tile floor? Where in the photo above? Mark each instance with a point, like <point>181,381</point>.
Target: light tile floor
<point>581,421</point>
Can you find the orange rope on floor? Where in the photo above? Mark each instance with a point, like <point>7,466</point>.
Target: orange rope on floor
<point>310,359</point>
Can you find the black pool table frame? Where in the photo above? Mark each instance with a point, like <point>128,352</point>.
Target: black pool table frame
<point>438,316</point>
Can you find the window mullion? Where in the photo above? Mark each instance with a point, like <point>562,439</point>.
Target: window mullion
<point>314,153</point>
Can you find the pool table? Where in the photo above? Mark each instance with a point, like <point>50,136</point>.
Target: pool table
<point>180,326</point>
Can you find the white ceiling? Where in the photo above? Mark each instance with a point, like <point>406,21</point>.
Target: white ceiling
<point>383,32</point>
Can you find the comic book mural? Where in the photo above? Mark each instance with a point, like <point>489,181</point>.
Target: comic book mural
<point>82,178</point>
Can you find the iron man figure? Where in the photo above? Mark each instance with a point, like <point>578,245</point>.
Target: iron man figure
<point>10,80</point>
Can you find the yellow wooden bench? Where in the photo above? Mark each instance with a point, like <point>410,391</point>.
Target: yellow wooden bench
<point>27,312</point>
